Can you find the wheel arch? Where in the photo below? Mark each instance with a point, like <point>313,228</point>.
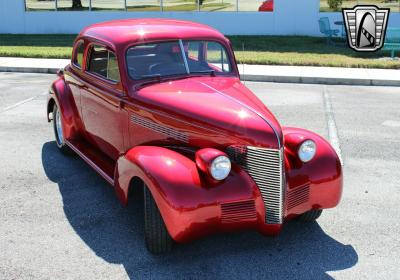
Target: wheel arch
<point>61,95</point>
<point>323,174</point>
<point>50,107</point>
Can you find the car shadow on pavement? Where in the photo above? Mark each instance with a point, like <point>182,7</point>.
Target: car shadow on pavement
<point>115,234</point>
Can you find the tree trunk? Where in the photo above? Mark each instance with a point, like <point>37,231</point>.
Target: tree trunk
<point>76,4</point>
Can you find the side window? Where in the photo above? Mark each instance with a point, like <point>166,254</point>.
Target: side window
<point>217,57</point>
<point>78,60</point>
<point>193,50</point>
<point>112,67</point>
<point>103,63</point>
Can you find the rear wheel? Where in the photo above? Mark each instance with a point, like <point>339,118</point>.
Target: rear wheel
<point>311,215</point>
<point>58,131</point>
<point>157,238</point>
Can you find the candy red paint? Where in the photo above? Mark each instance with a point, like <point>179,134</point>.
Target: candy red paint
<point>267,6</point>
<point>128,130</point>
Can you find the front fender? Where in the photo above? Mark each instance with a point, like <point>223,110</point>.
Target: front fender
<point>189,204</point>
<point>321,178</point>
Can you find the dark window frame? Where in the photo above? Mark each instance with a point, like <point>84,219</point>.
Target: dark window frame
<point>79,43</point>
<point>89,50</point>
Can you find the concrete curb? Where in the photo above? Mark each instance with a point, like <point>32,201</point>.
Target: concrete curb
<point>39,70</point>
<point>321,80</point>
<point>251,77</point>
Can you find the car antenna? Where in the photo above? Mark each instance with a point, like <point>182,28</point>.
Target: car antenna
<point>244,81</point>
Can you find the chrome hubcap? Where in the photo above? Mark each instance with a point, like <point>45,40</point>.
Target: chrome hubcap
<point>60,137</point>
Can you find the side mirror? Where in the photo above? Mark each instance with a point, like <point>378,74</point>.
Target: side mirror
<point>60,72</point>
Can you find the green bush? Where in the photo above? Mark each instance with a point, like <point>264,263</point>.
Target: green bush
<point>335,4</point>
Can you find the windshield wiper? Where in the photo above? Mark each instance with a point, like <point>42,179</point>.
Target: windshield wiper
<point>157,78</point>
<point>208,71</point>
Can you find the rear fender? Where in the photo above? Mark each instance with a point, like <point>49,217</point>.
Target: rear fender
<point>62,96</point>
<point>323,173</point>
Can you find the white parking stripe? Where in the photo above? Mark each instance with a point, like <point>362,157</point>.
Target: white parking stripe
<point>21,102</point>
<point>332,128</point>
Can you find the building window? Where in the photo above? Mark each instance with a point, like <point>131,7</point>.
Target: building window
<point>40,5</point>
<point>143,6</point>
<point>73,5</point>
<point>256,5</point>
<point>179,6</point>
<point>218,6</point>
<point>109,5</point>
<point>153,5</point>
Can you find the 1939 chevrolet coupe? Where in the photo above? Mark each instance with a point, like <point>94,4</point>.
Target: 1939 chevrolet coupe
<point>158,104</point>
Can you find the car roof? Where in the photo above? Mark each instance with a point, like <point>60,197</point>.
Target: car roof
<point>120,33</point>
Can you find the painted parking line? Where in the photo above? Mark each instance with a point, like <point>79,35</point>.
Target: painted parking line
<point>332,128</point>
<point>22,102</point>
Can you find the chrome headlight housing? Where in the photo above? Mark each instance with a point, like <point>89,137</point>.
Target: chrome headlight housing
<point>307,150</point>
<point>220,168</point>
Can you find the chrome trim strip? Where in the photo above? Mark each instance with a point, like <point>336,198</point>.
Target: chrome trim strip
<point>169,132</point>
<point>249,108</point>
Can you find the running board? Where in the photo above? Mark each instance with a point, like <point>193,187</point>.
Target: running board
<point>99,162</point>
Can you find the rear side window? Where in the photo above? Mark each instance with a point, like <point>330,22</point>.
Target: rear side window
<point>78,61</point>
<point>104,63</point>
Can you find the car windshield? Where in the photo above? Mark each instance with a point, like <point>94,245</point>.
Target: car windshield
<point>177,58</point>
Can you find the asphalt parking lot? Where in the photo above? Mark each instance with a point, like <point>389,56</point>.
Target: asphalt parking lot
<point>60,220</point>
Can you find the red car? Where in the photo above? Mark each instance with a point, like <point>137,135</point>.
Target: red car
<point>158,105</point>
<point>267,6</point>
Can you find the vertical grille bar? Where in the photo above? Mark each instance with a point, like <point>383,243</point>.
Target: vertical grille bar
<point>265,166</point>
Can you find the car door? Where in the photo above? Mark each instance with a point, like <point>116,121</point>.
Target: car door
<point>101,97</point>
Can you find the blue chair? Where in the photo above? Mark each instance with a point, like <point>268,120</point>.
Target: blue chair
<point>325,28</point>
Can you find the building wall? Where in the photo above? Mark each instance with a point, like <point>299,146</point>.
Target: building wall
<point>290,17</point>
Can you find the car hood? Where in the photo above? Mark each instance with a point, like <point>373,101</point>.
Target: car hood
<point>220,103</point>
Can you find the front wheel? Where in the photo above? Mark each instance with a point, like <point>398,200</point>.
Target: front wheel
<point>157,238</point>
<point>311,215</point>
<point>58,132</point>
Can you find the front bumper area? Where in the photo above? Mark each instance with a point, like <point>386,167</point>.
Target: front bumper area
<point>247,211</point>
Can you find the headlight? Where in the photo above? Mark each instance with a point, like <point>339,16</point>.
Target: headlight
<point>307,150</point>
<point>220,167</point>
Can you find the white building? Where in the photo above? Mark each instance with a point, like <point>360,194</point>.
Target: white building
<point>241,17</point>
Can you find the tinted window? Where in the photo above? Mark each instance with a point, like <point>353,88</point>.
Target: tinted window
<point>166,59</point>
<point>203,56</point>
<point>161,59</point>
<point>104,63</point>
<point>217,57</point>
<point>79,54</point>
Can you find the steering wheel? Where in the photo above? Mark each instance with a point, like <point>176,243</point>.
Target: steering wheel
<point>133,72</point>
<point>151,67</point>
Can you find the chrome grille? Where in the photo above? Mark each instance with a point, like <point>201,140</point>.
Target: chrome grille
<point>297,196</point>
<point>239,211</point>
<point>265,166</point>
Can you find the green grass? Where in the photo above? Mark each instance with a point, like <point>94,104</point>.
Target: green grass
<point>273,50</point>
<point>394,5</point>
